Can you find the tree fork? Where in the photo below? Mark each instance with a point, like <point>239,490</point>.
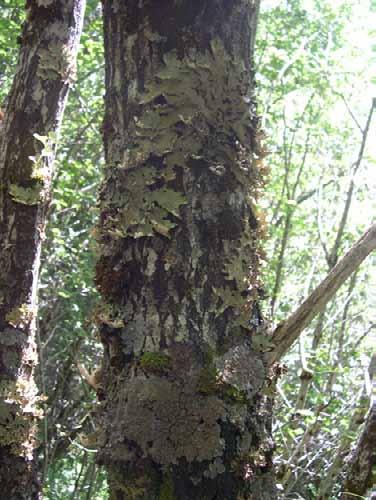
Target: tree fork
<point>182,380</point>
<point>34,110</point>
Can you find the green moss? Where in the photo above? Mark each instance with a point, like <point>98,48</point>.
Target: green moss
<point>233,395</point>
<point>208,380</point>
<point>155,362</point>
<point>167,489</point>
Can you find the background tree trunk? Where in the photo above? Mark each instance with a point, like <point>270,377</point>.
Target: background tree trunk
<point>183,373</point>
<point>49,44</point>
<point>360,476</point>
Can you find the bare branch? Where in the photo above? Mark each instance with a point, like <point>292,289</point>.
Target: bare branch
<point>288,331</point>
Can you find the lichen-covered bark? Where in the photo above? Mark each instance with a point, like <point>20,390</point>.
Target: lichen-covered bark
<point>35,105</point>
<point>183,374</point>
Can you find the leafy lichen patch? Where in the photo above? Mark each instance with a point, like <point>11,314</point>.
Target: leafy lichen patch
<point>18,416</point>
<point>26,195</point>
<point>188,86</point>
<point>56,62</point>
<point>108,314</point>
<point>20,317</point>
<point>146,207</point>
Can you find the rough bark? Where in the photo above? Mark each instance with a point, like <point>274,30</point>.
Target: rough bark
<point>360,475</point>
<point>183,373</point>
<point>35,105</point>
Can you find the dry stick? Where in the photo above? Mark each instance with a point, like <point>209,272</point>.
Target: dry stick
<point>288,331</point>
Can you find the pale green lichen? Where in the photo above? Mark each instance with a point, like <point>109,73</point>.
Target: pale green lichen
<point>176,110</point>
<point>56,62</point>
<point>180,124</point>
<point>108,314</point>
<point>237,270</point>
<point>40,169</point>
<point>229,298</point>
<point>18,415</point>
<point>20,317</point>
<point>146,208</point>
<point>40,174</point>
<point>25,195</point>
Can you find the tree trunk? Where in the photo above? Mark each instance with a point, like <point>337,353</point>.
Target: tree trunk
<point>360,476</point>
<point>49,44</point>
<point>183,373</point>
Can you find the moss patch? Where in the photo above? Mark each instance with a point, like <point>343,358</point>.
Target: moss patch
<point>155,362</point>
<point>208,382</point>
<point>167,489</point>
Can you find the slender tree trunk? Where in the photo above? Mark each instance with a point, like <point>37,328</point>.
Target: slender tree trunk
<point>49,44</point>
<point>182,378</point>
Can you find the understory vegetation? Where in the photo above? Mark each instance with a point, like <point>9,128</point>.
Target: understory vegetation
<point>313,65</point>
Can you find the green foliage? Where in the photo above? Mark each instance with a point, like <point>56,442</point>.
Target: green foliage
<point>12,14</point>
<point>76,476</point>
<point>313,88</point>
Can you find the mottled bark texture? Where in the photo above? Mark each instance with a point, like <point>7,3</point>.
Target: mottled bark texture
<point>46,67</point>
<point>183,374</point>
